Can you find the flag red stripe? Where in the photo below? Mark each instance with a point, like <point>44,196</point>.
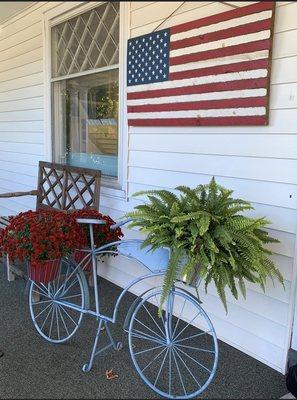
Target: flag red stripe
<point>201,105</point>
<point>215,121</point>
<point>224,16</point>
<point>206,88</point>
<point>220,69</point>
<point>222,52</point>
<point>252,27</point>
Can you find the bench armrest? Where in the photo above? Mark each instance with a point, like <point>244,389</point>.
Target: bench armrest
<point>18,194</point>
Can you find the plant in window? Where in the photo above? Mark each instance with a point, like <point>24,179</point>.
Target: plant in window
<point>208,237</point>
<point>107,103</point>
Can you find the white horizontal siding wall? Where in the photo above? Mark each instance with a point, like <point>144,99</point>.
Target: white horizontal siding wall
<point>22,142</point>
<point>259,163</point>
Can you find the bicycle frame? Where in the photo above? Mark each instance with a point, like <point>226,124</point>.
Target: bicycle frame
<point>156,263</point>
<point>97,313</point>
<point>94,252</point>
<point>105,249</point>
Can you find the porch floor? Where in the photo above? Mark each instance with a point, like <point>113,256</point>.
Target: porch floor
<point>32,368</point>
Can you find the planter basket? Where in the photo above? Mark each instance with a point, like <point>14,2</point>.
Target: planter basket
<point>45,272</point>
<point>79,255</point>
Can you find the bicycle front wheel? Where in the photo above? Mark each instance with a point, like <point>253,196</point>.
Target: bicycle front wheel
<point>56,308</point>
<point>175,354</point>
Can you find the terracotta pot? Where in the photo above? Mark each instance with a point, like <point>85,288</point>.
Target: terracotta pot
<point>79,255</point>
<point>44,272</point>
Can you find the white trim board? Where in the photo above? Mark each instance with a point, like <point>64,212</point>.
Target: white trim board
<point>55,16</point>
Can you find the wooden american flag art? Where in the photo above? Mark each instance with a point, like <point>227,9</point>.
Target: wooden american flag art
<point>213,71</point>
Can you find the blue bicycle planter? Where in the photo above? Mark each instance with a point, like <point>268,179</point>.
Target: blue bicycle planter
<point>175,354</point>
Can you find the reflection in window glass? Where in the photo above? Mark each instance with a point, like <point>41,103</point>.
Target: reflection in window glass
<point>86,109</point>
<point>84,76</point>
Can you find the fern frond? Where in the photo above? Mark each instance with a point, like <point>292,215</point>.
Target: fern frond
<point>207,226</point>
<point>172,273</point>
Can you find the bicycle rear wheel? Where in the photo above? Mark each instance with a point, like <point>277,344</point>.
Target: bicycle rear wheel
<point>173,357</point>
<point>54,321</point>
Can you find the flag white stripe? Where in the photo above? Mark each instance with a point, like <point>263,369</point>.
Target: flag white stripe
<point>231,94</point>
<point>223,25</point>
<point>234,76</point>
<point>256,55</point>
<point>226,112</point>
<point>236,40</point>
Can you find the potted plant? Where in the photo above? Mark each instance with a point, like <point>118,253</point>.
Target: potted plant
<point>42,238</point>
<point>208,236</point>
<point>102,235</point>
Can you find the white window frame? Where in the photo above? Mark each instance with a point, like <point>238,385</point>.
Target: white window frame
<point>67,10</point>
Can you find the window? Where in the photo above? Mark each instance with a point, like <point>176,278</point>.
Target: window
<point>85,89</point>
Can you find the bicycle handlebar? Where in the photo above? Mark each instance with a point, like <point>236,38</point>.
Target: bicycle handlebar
<point>102,222</point>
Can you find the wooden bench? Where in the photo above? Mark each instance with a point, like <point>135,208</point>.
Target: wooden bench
<point>60,187</point>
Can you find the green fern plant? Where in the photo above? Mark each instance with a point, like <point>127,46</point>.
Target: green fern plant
<point>208,236</point>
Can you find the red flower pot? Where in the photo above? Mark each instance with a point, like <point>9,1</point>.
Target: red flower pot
<point>79,255</point>
<point>44,272</point>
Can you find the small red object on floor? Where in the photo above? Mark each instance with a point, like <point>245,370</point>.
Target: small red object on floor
<point>110,374</point>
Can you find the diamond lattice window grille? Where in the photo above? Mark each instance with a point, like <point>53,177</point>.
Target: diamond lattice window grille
<point>88,41</point>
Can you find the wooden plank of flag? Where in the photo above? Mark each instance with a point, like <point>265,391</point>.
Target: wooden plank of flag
<point>211,71</point>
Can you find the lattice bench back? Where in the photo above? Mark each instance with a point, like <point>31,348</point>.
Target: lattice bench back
<point>64,187</point>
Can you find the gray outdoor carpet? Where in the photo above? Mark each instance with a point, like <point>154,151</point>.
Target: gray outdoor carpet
<point>32,368</point>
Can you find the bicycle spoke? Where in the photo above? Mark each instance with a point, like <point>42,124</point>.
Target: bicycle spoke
<point>70,297</point>
<point>156,380</point>
<point>150,349</point>
<point>50,291</point>
<point>69,287</point>
<point>177,322</point>
<point>179,374</point>
<point>62,318</point>
<point>141,323</point>
<point>154,359</point>
<point>52,320</point>
<point>170,364</point>
<point>42,291</point>
<point>142,335</point>
<point>195,361</point>
<point>41,312</point>
<point>190,323</point>
<point>154,320</point>
<point>52,306</point>
<point>188,369</point>
<point>57,321</point>
<point>59,275</point>
<point>54,286</point>
<point>35,303</point>
<point>69,316</point>
<point>43,285</point>
<point>65,281</point>
<point>192,337</point>
<point>195,348</point>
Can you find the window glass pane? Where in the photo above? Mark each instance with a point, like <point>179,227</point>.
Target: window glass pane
<point>87,41</point>
<point>85,119</point>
